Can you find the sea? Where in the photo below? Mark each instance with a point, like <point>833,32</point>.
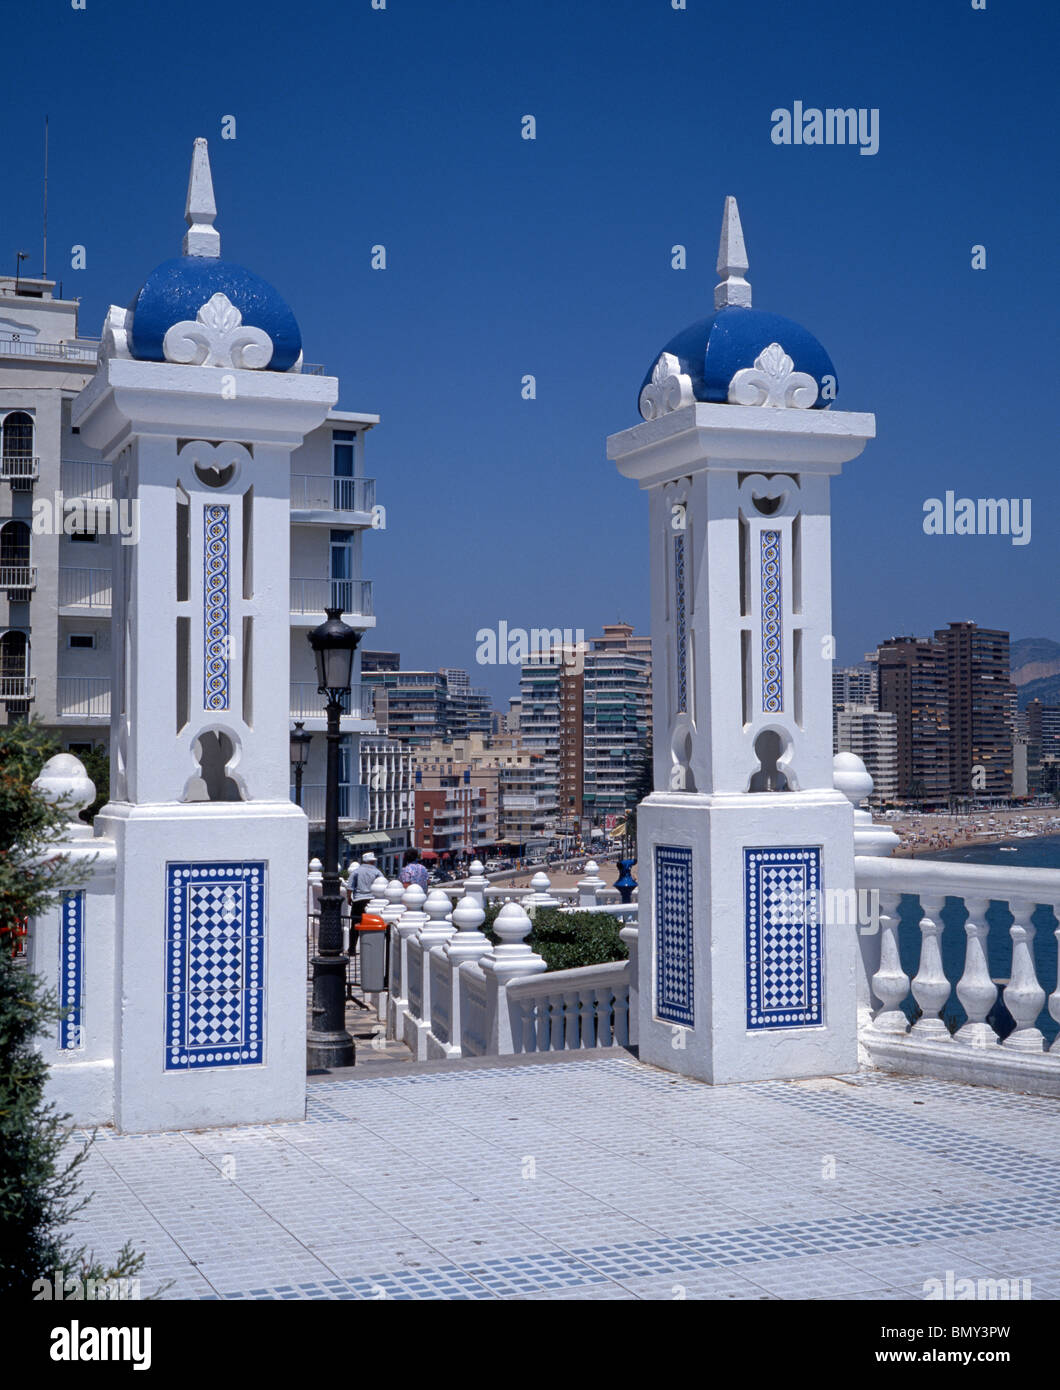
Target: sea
<point>1041,852</point>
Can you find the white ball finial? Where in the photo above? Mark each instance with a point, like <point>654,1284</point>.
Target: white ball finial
<point>63,780</point>
<point>851,777</point>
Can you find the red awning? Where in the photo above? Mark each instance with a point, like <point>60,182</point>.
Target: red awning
<point>428,854</point>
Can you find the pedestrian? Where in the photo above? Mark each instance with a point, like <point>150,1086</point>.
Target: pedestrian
<point>412,870</point>
<point>361,887</point>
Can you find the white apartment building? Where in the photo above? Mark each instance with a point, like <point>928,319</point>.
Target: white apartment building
<point>57,546</point>
<point>852,685</point>
<point>386,773</point>
<point>873,735</point>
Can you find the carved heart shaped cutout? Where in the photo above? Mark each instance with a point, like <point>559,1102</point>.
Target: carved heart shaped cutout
<point>769,503</point>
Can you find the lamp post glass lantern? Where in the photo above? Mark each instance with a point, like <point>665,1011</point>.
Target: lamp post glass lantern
<point>328,1043</point>
<point>300,741</point>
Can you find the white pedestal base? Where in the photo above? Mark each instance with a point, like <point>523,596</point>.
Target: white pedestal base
<point>211,967</point>
<point>735,982</point>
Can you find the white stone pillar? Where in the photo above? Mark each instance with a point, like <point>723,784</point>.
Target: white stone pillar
<point>510,960</point>
<point>590,886</point>
<point>72,948</point>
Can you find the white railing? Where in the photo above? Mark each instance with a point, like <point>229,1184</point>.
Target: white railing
<point>323,492</point>
<point>83,351</point>
<point>353,596</point>
<point>18,577</point>
<point>453,994</point>
<point>88,697</point>
<point>572,1009</point>
<point>82,588</point>
<point>308,703</point>
<point>86,479</point>
<point>17,687</point>
<point>19,467</point>
<point>999,1042</point>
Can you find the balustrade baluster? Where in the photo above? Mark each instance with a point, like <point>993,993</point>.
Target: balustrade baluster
<point>602,1007</point>
<point>890,983</point>
<point>975,989</point>
<point>555,1037</point>
<point>544,1024</point>
<point>586,1016</point>
<point>930,987</point>
<point>621,1024</point>
<point>1024,996</point>
<point>1054,998</point>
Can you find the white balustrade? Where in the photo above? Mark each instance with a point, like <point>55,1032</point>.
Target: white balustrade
<point>973,1054</point>
<point>571,1009</point>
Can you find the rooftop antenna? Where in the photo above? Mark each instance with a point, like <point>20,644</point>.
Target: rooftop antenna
<point>44,271</point>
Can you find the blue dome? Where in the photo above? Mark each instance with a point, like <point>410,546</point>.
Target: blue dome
<point>712,351</point>
<point>178,289</point>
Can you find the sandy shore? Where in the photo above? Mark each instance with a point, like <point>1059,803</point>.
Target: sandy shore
<point>923,833</point>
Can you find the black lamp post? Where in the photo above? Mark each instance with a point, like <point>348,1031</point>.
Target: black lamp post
<point>300,742</point>
<point>328,1042</point>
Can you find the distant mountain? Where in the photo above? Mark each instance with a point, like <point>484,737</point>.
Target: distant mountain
<point>1035,665</point>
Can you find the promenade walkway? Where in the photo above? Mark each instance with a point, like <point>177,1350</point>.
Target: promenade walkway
<point>587,1177</point>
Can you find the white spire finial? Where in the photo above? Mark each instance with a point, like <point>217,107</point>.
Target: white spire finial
<point>201,238</point>
<point>732,289</point>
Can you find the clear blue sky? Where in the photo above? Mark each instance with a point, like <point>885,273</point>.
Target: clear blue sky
<point>552,257</point>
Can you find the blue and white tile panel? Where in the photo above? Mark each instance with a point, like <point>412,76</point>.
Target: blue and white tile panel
<point>782,907</point>
<point>674,980</point>
<point>215,693</point>
<point>215,965</point>
<point>71,971</point>
<point>680,624</point>
<point>772,624</point>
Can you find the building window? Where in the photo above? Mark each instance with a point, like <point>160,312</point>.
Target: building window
<point>18,435</point>
<point>79,749</point>
<point>342,453</point>
<point>84,640</point>
<point>89,537</point>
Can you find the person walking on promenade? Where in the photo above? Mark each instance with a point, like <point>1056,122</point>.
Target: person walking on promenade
<point>361,887</point>
<point>412,870</point>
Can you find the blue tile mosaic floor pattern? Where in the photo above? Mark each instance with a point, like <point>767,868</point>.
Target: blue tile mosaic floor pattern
<point>519,1183</point>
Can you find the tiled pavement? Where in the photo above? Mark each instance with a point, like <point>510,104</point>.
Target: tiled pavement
<point>594,1178</point>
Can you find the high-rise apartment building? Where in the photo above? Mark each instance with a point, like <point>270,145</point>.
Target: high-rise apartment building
<point>913,687</point>
<point>852,685</point>
<point>978,688</point>
<point>873,735</point>
<point>617,699</point>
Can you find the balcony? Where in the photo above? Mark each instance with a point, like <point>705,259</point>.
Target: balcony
<point>18,579</point>
<point>310,597</point>
<point>322,493</point>
<point>83,697</point>
<point>19,468</point>
<point>84,590</point>
<point>86,479</point>
<point>353,803</point>
<point>83,350</point>
<point>308,704</point>
<point>17,687</point>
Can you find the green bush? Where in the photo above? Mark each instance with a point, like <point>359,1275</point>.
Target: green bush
<point>567,941</point>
